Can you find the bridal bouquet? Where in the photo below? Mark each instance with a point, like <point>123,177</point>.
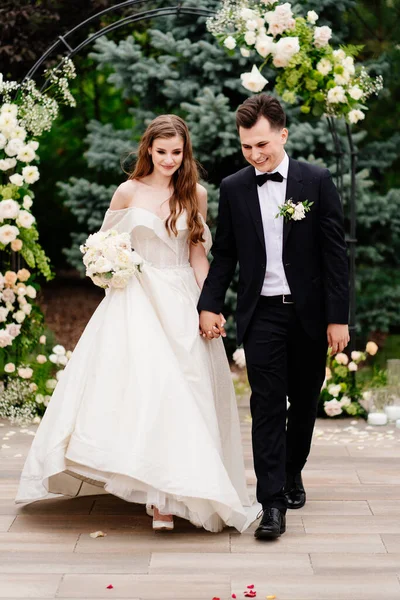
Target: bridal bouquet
<point>109,259</point>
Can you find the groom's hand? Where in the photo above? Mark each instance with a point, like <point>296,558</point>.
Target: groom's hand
<point>212,325</point>
<point>338,337</point>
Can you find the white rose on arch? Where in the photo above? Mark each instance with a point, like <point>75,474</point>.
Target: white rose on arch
<point>8,233</point>
<point>25,219</point>
<point>265,45</point>
<point>9,209</point>
<point>322,35</point>
<point>254,81</point>
<point>30,174</point>
<point>336,95</point>
<point>285,49</point>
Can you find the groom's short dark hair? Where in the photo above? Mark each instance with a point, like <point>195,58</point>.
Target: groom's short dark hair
<point>262,105</point>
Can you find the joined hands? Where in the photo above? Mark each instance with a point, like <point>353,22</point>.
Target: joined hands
<point>212,325</point>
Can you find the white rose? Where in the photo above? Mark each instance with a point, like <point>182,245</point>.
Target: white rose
<point>39,399</point>
<point>25,219</point>
<point>371,348</point>
<point>9,209</point>
<point>356,115</point>
<point>42,339</point>
<point>345,401</point>
<point>13,147</point>
<point>312,17</point>
<point>239,357</point>
<point>19,133</point>
<point>53,358</point>
<point>41,359</point>
<point>285,49</point>
<point>340,55</point>
<point>27,202</point>
<point>3,141</point>
<point>30,174</point>
<point>7,163</point>
<point>322,35</point>
<point>47,400</point>
<point>334,390</point>
<point>336,95</point>
<point>356,355</point>
<point>36,420</point>
<point>324,66</point>
<point>25,373</point>
<point>8,233</point>
<point>356,92</point>
<point>59,350</point>
<point>62,360</point>
<point>9,368</point>
<point>230,42</point>
<point>9,109</point>
<point>33,387</point>
<point>59,374</point>
<point>26,154</point>
<point>352,366</point>
<point>3,314</point>
<point>17,179</point>
<point>51,384</point>
<point>250,38</point>
<point>27,308</point>
<point>120,279</point>
<point>299,212</point>
<point>13,329</point>
<point>5,338</point>
<point>332,408</point>
<point>265,45</point>
<point>348,64</point>
<point>7,122</point>
<point>245,52</point>
<point>247,13</point>
<point>342,358</point>
<point>19,316</point>
<point>253,81</point>
<point>342,78</point>
<point>31,292</point>
<point>251,25</point>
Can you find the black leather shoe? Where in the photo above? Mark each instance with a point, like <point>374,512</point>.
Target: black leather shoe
<point>294,491</point>
<point>272,524</point>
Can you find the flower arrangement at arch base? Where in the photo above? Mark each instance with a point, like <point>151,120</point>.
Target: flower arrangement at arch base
<point>309,71</point>
<point>341,394</point>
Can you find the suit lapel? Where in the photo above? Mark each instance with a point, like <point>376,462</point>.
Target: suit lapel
<point>293,192</point>
<point>253,202</point>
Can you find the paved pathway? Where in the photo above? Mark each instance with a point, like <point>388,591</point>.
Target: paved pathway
<point>343,545</point>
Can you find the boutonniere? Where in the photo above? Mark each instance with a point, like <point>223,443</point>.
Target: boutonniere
<point>294,212</point>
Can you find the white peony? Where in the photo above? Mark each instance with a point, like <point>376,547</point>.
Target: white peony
<point>334,390</point>
<point>324,66</point>
<point>253,81</point>
<point>19,316</point>
<point>26,154</point>
<point>265,45</point>
<point>322,35</point>
<point>356,92</point>
<point>332,408</point>
<point>8,233</point>
<point>13,147</point>
<point>27,202</point>
<point>299,212</point>
<point>245,52</point>
<point>25,219</point>
<point>240,358</point>
<point>9,368</point>
<point>230,42</point>
<point>31,292</point>
<point>30,174</point>
<point>353,366</point>
<point>250,38</point>
<point>356,115</point>
<point>336,95</point>
<point>342,358</point>
<point>9,209</point>
<point>312,17</point>
<point>25,372</point>
<point>17,179</point>
<point>285,49</point>
<point>41,359</point>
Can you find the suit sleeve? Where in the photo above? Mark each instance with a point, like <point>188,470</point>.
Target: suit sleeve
<point>224,262</point>
<point>334,253</point>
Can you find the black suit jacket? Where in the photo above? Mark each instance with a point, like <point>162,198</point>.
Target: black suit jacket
<point>314,249</point>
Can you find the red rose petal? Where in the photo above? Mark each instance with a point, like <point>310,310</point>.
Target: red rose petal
<point>233,595</point>
<point>216,598</point>
<point>110,587</point>
<point>250,587</point>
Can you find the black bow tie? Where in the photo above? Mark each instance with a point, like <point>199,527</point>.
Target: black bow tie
<point>261,179</point>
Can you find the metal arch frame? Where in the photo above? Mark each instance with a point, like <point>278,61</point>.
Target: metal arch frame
<point>165,11</point>
<point>193,10</point>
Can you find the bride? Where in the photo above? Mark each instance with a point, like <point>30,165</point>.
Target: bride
<point>145,407</point>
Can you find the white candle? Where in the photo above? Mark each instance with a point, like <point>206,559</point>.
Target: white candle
<point>377,419</point>
<point>393,412</point>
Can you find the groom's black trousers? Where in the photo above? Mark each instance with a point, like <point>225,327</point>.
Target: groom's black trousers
<point>282,360</point>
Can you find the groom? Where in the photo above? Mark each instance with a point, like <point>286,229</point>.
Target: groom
<point>292,297</point>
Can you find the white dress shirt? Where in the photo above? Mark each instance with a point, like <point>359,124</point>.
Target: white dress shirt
<point>271,196</point>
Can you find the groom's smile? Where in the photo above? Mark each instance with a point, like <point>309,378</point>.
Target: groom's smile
<point>263,145</point>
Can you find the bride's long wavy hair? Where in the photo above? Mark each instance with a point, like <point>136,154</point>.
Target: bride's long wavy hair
<point>184,180</point>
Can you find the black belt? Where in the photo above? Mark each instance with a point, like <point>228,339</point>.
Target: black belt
<point>281,299</point>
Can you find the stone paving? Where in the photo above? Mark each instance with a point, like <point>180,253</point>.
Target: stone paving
<point>343,545</point>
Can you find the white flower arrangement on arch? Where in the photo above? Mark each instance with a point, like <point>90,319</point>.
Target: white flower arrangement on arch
<point>325,81</point>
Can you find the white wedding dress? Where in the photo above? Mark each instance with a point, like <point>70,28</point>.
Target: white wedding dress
<point>146,407</point>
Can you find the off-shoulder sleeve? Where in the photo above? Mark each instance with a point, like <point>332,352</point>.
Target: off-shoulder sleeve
<point>207,235</point>
<point>120,220</point>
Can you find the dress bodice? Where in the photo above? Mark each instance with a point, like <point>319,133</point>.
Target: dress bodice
<point>150,238</point>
